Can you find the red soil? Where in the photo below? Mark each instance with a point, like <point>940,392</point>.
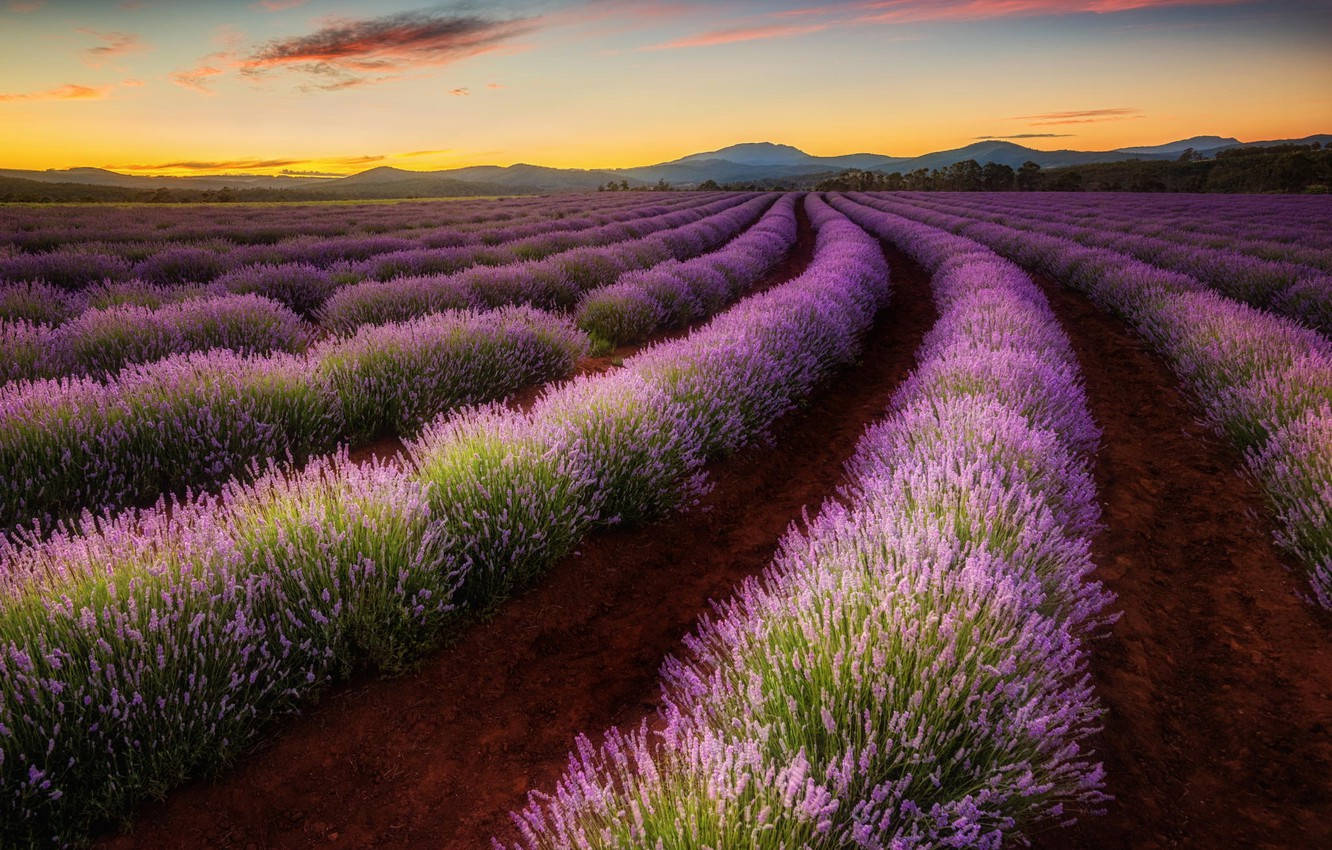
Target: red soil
<point>438,758</point>
<point>1218,679</point>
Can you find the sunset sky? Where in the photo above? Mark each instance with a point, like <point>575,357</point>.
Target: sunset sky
<point>324,86</point>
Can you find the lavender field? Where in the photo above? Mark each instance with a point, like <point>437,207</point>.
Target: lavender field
<point>1034,492</point>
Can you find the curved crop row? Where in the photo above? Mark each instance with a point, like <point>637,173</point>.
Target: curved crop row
<point>1289,226</point>
<point>346,256</point>
<point>192,420</point>
<point>387,378</point>
<point>554,282</point>
<point>101,342</point>
<point>676,293</point>
<point>910,671</point>
<point>1264,381</point>
<point>1290,289</point>
<point>1200,226</point>
<point>127,229</point>
<point>143,653</point>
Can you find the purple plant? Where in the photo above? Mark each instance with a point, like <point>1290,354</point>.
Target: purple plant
<point>1261,378</point>
<point>910,671</point>
<point>303,288</point>
<point>206,618</point>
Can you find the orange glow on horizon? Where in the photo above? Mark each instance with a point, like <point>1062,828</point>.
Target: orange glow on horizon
<point>278,89</point>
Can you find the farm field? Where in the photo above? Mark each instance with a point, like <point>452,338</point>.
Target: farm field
<point>684,519</point>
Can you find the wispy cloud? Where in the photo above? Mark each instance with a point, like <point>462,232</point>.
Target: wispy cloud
<point>113,44</point>
<point>196,78</point>
<point>738,34</point>
<point>495,85</point>
<point>426,153</point>
<point>24,5</point>
<point>70,91</point>
<point>911,11</point>
<point>1081,116</point>
<point>461,91</point>
<point>783,24</point>
<point>1027,136</point>
<point>346,53</point>
<point>278,5</point>
<point>230,164</point>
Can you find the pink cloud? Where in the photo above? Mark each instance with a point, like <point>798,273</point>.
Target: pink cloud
<point>69,91</point>
<point>278,5</point>
<point>461,91</point>
<point>24,5</point>
<point>737,34</point>
<point>196,78</point>
<point>911,11</point>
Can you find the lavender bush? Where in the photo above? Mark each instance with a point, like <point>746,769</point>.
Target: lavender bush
<point>393,379</point>
<point>195,420</point>
<point>910,671</point>
<point>300,286</point>
<point>553,281</point>
<point>675,293</point>
<point>208,617</point>
<point>38,303</point>
<point>1262,379</point>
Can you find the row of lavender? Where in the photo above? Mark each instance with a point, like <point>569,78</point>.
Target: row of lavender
<point>143,653</point>
<point>1292,289</point>
<point>126,230</point>
<point>1264,381</point>
<point>101,342</point>
<point>555,282</point>
<point>1146,222</point>
<point>675,293</point>
<point>197,420</point>
<point>911,670</point>
<point>346,257</point>
<point>49,288</point>
<point>1285,219</point>
<point>40,228</point>
<point>1275,227</point>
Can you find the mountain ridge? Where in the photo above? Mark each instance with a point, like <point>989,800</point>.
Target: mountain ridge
<point>744,162</point>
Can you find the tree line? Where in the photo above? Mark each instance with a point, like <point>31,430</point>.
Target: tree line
<point>1273,169</point>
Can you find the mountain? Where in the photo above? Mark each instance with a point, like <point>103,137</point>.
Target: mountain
<point>770,154</point>
<point>752,161</point>
<point>759,163</point>
<point>1200,144</point>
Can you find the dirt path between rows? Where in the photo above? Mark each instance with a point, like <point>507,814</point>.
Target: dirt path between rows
<point>1218,678</point>
<point>438,758</point>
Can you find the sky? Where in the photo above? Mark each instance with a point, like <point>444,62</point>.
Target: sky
<point>335,87</point>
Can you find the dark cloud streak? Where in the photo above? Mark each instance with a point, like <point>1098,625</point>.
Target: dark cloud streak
<point>1027,136</point>
<point>1082,116</point>
<point>200,165</point>
<point>347,53</point>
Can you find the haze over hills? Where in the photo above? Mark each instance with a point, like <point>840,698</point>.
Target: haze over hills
<point>741,163</point>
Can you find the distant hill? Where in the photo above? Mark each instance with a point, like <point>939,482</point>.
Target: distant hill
<point>758,163</point>
<point>1199,144</point>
